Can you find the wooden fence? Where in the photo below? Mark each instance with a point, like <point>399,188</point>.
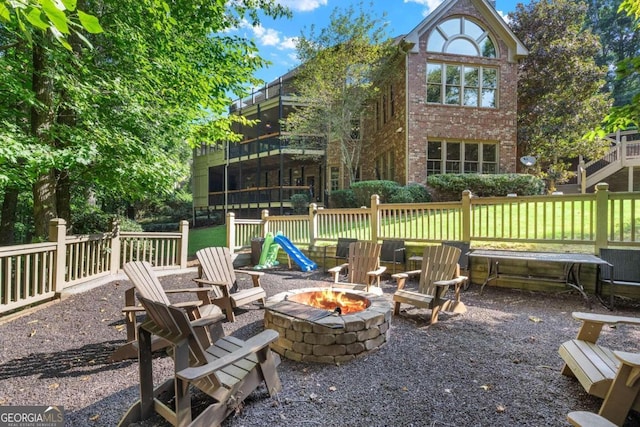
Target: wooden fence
<point>37,272</point>
<point>600,219</point>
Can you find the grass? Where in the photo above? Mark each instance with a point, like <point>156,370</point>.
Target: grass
<point>204,237</point>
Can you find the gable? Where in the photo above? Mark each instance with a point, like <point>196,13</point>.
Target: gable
<point>482,9</point>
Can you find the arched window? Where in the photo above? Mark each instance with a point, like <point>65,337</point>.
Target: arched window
<point>461,36</point>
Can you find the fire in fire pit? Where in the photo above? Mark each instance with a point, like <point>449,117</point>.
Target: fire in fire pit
<point>313,332</point>
<point>329,299</point>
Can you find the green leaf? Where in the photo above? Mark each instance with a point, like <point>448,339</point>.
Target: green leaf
<point>84,39</point>
<point>4,13</point>
<point>70,4</point>
<point>36,19</point>
<point>60,37</point>
<point>56,16</point>
<point>89,22</point>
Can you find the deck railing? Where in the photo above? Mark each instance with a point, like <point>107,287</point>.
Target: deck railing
<point>38,272</point>
<point>600,220</point>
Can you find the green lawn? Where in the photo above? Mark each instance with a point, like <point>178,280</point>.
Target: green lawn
<point>204,237</point>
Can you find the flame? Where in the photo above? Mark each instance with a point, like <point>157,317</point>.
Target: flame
<point>329,299</point>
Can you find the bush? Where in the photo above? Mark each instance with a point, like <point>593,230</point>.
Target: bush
<point>402,195</point>
<point>449,187</point>
<point>96,221</point>
<point>419,193</point>
<point>363,191</point>
<point>342,199</point>
<point>300,203</point>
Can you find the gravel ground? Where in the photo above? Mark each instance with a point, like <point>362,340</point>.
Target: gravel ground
<point>496,365</point>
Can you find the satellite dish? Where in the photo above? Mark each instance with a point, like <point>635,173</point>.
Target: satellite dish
<point>528,160</point>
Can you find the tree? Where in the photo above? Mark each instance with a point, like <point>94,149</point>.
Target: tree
<point>619,41</point>
<point>118,120</point>
<point>624,116</point>
<point>335,82</point>
<point>559,86</point>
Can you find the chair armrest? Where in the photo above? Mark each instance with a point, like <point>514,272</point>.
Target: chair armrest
<point>377,272</point>
<point>188,304</point>
<point>207,321</point>
<point>631,359</point>
<point>191,290</point>
<point>210,282</point>
<point>336,271</point>
<point>255,276</point>
<point>592,324</point>
<point>401,278</point>
<point>251,346</point>
<point>134,309</point>
<point>456,281</point>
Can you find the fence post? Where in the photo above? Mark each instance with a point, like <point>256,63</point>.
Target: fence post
<point>184,243</point>
<point>116,245</point>
<point>466,216</point>
<point>375,223</point>
<point>602,216</point>
<point>231,232</point>
<point>58,234</point>
<point>265,222</point>
<point>313,223</point>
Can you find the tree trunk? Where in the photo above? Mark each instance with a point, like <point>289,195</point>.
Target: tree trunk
<point>8,216</point>
<point>63,195</point>
<point>44,204</point>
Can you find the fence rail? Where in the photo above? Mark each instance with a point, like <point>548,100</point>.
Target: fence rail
<point>38,272</point>
<point>600,219</point>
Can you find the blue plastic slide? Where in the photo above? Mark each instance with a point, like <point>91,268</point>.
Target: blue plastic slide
<point>295,254</point>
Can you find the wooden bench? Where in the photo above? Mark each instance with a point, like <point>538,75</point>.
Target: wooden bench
<point>596,367</point>
<point>626,268</point>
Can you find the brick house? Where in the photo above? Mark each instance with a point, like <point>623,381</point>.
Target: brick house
<point>450,107</point>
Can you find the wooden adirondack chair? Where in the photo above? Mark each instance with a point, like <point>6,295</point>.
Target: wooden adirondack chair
<point>611,375</point>
<point>228,370</point>
<point>439,270</point>
<point>363,267</point>
<point>217,273</point>
<point>205,315</point>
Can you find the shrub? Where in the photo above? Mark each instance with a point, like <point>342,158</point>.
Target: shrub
<point>342,199</point>
<point>403,195</point>
<point>419,193</point>
<point>96,221</point>
<point>299,203</point>
<point>448,187</point>
<point>363,191</point>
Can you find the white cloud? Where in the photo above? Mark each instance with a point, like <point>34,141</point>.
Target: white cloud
<point>269,36</point>
<point>429,5</point>
<point>303,5</point>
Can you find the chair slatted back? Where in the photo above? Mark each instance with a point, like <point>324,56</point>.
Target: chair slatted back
<point>392,251</point>
<point>145,280</point>
<point>216,266</point>
<point>363,257</point>
<point>172,324</point>
<point>438,263</point>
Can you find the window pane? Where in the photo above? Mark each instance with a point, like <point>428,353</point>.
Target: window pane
<point>472,30</point>
<point>434,93</point>
<point>489,168</point>
<point>471,167</point>
<point>453,151</point>
<point>489,98</point>
<point>451,27</point>
<point>489,78</point>
<point>487,48</point>
<point>471,76</point>
<point>462,47</point>
<point>489,153</point>
<point>436,41</point>
<point>452,95</point>
<point>471,97</point>
<point>434,150</point>
<point>471,152</point>
<point>434,167</point>
<point>434,73</point>
<point>453,75</point>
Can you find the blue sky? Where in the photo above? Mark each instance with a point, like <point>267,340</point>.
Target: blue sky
<point>276,38</point>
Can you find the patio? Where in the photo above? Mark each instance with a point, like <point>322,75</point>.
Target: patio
<point>497,364</point>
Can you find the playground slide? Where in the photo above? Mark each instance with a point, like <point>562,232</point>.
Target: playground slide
<point>295,254</point>
<point>269,255</point>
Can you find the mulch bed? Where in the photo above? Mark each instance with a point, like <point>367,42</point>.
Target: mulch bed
<point>496,365</point>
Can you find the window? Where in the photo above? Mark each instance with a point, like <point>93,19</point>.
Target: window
<point>471,86</point>
<point>461,157</point>
<point>385,166</point>
<point>335,178</point>
<point>461,36</point>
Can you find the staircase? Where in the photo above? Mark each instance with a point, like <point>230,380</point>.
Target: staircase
<point>623,156</point>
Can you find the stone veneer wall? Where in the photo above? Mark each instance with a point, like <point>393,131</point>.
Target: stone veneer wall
<point>333,339</point>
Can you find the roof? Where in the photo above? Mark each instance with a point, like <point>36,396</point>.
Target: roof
<point>496,24</point>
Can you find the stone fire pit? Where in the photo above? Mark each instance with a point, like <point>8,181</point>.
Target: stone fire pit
<point>327,337</point>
